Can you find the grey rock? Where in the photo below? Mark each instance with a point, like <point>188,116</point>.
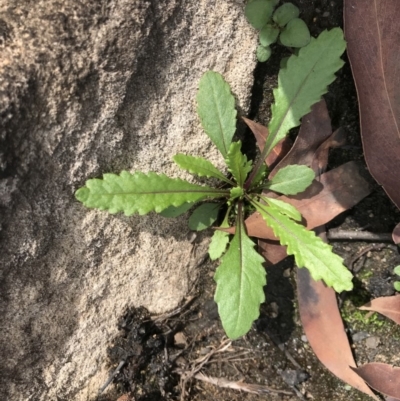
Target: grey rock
<point>86,88</point>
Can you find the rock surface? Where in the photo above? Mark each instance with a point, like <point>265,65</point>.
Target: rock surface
<point>86,88</point>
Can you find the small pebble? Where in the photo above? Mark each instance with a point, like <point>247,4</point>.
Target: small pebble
<point>286,272</point>
<point>372,342</point>
<point>326,14</point>
<point>304,338</point>
<point>361,335</point>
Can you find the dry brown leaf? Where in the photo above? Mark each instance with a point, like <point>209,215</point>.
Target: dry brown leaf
<point>261,133</point>
<point>324,329</point>
<point>314,131</point>
<point>387,306</point>
<point>373,39</point>
<point>396,234</point>
<point>381,377</point>
<point>337,191</point>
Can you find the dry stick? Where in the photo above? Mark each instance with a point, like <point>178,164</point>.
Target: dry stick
<point>348,235</point>
<point>175,312</point>
<point>110,379</point>
<point>198,364</point>
<point>239,385</point>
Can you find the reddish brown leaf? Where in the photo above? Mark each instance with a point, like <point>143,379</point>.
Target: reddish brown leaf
<point>324,329</point>
<point>272,251</point>
<point>381,377</point>
<point>261,133</point>
<point>387,306</point>
<point>396,234</point>
<point>335,140</point>
<point>373,40</point>
<point>337,191</point>
<point>314,131</point>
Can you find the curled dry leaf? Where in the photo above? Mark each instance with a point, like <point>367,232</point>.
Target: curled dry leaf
<point>396,234</point>
<point>387,306</point>
<point>381,377</point>
<point>373,40</point>
<point>261,133</point>
<point>315,130</point>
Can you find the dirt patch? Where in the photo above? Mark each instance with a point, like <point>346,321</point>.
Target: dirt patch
<point>273,360</point>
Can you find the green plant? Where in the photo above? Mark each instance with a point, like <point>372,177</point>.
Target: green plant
<point>396,284</point>
<point>240,276</point>
<point>283,23</point>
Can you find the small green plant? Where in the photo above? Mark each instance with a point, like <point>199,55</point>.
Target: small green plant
<point>282,23</point>
<point>240,276</point>
<point>396,284</point>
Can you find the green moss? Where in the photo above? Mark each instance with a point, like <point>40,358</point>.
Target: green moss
<point>373,323</point>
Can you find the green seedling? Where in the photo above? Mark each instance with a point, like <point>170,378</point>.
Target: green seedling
<point>240,276</point>
<point>396,284</point>
<point>282,24</point>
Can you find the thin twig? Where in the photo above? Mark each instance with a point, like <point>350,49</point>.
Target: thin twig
<point>239,385</point>
<point>175,312</point>
<point>362,252</point>
<point>111,378</point>
<point>348,235</point>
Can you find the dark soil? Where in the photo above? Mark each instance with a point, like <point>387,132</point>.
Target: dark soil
<point>274,355</point>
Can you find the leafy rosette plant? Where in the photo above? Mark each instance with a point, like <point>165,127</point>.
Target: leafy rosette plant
<point>282,23</point>
<point>241,276</point>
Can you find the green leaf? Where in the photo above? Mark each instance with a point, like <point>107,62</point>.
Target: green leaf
<point>141,193</point>
<point>175,211</point>
<point>302,83</point>
<point>203,216</point>
<point>236,192</point>
<point>199,166</point>
<point>260,176</point>
<point>308,249</point>
<point>295,34</point>
<point>237,163</point>
<point>218,244</point>
<point>283,207</point>
<point>269,34</point>
<point>396,286</point>
<point>263,53</point>
<point>259,12</point>
<point>396,270</point>
<point>291,179</point>
<point>283,62</point>
<point>285,13</point>
<point>240,280</point>
<point>216,109</point>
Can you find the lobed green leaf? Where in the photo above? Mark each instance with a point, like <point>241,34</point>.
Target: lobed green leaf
<point>216,109</point>
<point>218,244</point>
<point>240,280</point>
<point>199,166</point>
<point>308,249</point>
<point>291,179</point>
<point>283,207</point>
<point>302,83</point>
<point>237,163</point>
<point>141,193</point>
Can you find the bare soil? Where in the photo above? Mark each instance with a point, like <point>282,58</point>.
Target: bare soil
<point>163,356</point>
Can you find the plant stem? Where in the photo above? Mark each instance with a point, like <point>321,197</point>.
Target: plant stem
<point>257,167</point>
